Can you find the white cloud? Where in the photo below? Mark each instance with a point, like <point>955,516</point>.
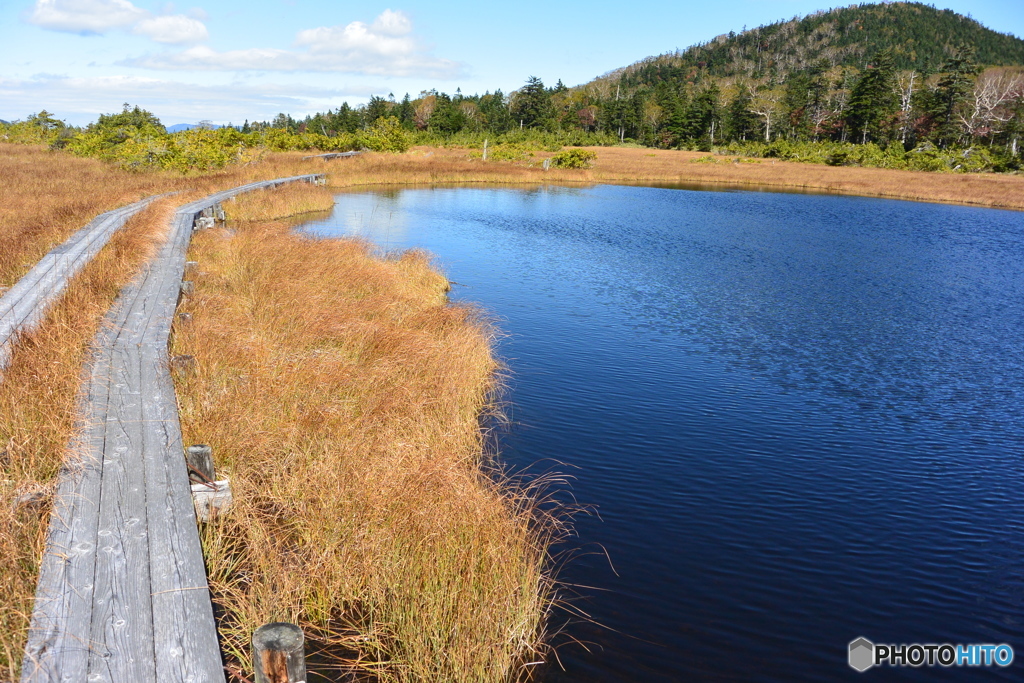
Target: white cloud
<point>80,100</point>
<point>84,16</point>
<point>100,16</point>
<point>383,48</point>
<point>392,23</point>
<point>174,29</point>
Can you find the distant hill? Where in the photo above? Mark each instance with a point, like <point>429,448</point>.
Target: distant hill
<point>178,127</point>
<point>921,37</point>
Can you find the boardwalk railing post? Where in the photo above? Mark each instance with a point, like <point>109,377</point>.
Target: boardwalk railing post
<point>279,654</point>
<point>210,496</point>
<point>200,463</point>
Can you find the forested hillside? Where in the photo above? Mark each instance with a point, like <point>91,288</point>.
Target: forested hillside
<point>881,84</point>
<point>919,37</point>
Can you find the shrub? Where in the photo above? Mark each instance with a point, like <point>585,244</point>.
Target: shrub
<point>574,158</point>
<point>387,135</point>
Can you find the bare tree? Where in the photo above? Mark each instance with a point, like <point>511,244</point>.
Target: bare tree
<point>767,105</point>
<point>988,111</point>
<point>905,89</point>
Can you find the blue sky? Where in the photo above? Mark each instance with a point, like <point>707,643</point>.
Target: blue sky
<point>228,60</point>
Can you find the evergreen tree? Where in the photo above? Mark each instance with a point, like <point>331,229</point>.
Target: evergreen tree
<point>873,101</point>
<point>376,108</point>
<point>495,112</point>
<point>702,115</point>
<point>740,122</point>
<point>447,117</point>
<point>532,104</point>
<point>952,92</point>
<point>404,112</point>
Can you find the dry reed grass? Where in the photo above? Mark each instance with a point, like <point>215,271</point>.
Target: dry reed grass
<point>641,165</point>
<point>279,202</point>
<point>47,195</point>
<point>342,396</point>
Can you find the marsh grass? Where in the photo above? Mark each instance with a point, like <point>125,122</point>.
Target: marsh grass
<point>45,196</point>
<point>342,394</point>
<point>280,202</point>
<point>643,165</point>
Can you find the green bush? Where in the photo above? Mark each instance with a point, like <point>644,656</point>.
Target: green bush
<point>574,158</point>
<point>387,135</point>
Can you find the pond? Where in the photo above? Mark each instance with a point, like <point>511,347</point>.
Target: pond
<point>799,418</point>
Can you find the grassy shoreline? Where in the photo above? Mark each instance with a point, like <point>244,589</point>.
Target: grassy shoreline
<point>342,395</point>
<point>633,166</point>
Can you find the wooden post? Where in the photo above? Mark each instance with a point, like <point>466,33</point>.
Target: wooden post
<point>200,463</point>
<point>278,654</point>
<point>187,287</point>
<point>191,266</point>
<point>485,150</point>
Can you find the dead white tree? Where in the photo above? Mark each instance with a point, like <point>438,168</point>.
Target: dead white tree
<point>905,88</point>
<point>766,105</point>
<point>988,110</point>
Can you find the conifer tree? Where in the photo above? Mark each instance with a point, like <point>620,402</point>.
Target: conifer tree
<point>952,92</point>
<point>532,104</point>
<point>873,101</point>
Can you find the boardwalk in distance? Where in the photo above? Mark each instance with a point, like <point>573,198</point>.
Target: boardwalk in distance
<point>22,308</point>
<point>122,594</point>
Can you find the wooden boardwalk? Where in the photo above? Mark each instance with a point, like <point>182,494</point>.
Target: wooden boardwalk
<point>122,594</point>
<point>332,155</point>
<point>23,306</point>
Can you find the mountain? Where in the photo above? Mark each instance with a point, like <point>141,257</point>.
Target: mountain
<point>178,127</point>
<point>920,37</point>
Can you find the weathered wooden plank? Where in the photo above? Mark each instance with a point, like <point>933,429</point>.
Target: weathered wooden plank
<point>123,594</point>
<point>331,155</point>
<point>58,646</point>
<point>186,636</point>
<point>122,620</point>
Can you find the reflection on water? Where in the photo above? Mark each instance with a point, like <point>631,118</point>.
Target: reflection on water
<point>799,416</point>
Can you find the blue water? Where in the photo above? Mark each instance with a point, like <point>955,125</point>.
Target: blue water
<point>799,418</point>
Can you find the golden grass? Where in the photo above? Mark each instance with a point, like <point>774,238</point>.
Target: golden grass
<point>641,165</point>
<point>978,189</point>
<point>46,195</point>
<point>279,202</point>
<point>342,396</point>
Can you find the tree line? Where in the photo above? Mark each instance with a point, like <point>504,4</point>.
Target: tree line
<point>958,107</point>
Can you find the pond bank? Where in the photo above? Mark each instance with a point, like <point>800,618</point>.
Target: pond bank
<point>342,393</point>
<point>630,165</point>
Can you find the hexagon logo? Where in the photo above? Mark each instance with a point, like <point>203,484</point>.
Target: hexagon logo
<point>862,654</point>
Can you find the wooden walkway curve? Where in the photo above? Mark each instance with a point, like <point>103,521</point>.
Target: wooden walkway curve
<point>122,594</point>
<point>23,306</point>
